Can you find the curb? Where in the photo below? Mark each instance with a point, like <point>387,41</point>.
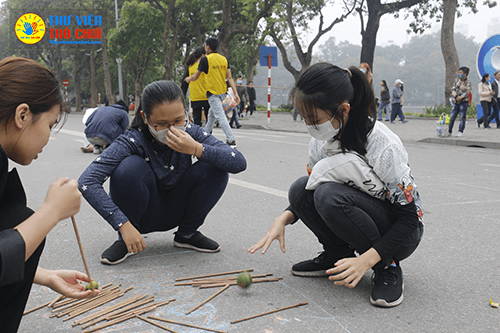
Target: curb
<point>463,143</point>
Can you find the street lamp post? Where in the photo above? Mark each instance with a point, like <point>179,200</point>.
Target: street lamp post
<point>119,60</point>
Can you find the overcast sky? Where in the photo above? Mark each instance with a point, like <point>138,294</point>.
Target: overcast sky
<point>393,31</point>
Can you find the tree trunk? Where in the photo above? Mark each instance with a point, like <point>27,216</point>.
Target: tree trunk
<point>169,61</point>
<point>93,83</point>
<point>79,64</point>
<point>369,35</point>
<point>448,48</point>
<point>166,38</point>
<point>252,62</point>
<point>225,34</point>
<point>107,77</point>
<point>138,91</point>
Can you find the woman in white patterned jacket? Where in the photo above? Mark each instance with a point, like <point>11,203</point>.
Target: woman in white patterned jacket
<point>360,196</point>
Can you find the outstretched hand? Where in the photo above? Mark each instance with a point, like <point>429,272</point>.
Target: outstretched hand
<point>66,283</point>
<point>277,231</point>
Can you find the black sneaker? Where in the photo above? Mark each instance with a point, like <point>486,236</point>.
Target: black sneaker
<point>232,144</point>
<point>197,242</point>
<point>318,265</point>
<point>116,253</point>
<point>387,286</point>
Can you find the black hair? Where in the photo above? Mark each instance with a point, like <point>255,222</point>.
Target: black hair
<point>197,53</point>
<point>465,70</point>
<point>155,93</point>
<point>385,84</point>
<point>212,43</point>
<point>325,86</point>
<point>122,104</point>
<point>483,79</point>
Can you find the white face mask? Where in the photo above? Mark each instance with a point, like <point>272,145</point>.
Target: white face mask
<point>162,134</point>
<point>324,131</point>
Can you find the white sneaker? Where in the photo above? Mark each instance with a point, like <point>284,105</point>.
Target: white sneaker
<point>460,134</point>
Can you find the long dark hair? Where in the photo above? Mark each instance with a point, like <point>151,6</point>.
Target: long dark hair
<point>195,55</point>
<point>325,86</point>
<point>26,81</point>
<point>155,93</point>
<point>385,85</point>
<point>483,79</point>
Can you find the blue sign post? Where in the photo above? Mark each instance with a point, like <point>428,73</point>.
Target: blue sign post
<point>268,57</point>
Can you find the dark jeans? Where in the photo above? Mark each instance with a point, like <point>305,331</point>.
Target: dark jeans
<point>397,110</point>
<point>134,190</point>
<point>486,112</point>
<point>344,218</point>
<point>13,297</point>
<point>462,109</point>
<point>234,117</point>
<point>495,113</point>
<point>197,107</point>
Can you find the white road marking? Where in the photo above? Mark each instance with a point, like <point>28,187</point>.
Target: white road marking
<point>260,188</point>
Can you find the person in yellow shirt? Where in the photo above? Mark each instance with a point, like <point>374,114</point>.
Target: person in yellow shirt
<point>197,89</point>
<point>216,68</point>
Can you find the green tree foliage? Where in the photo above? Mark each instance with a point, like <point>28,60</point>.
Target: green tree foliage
<point>138,41</point>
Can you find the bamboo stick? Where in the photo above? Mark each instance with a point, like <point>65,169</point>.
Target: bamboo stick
<point>208,299</point>
<point>185,324</point>
<point>198,282</point>
<point>128,316</point>
<point>81,251</point>
<point>93,306</point>
<point>233,283</point>
<point>51,304</point>
<point>268,312</point>
<point>82,303</point>
<point>108,310</point>
<point>135,311</point>
<point>156,324</point>
<point>87,300</point>
<point>37,308</point>
<point>215,274</point>
<point>118,313</point>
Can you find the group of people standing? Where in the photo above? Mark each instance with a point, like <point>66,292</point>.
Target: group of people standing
<point>397,102</point>
<point>489,98</point>
<point>208,75</point>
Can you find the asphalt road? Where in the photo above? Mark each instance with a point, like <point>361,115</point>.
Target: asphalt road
<point>449,280</point>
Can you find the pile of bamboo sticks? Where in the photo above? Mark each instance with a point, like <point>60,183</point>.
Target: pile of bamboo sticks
<point>217,280</point>
<point>124,310</point>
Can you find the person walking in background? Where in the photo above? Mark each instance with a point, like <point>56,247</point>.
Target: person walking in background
<point>198,88</point>
<point>242,92</point>
<point>217,69</point>
<point>105,124</point>
<point>485,97</point>
<point>153,183</point>
<point>460,93</point>
<point>495,99</point>
<point>252,97</point>
<point>385,100</point>
<point>397,102</point>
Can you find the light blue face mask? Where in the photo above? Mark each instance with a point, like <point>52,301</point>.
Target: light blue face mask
<point>239,82</point>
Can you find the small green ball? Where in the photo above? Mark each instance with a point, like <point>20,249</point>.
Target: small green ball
<point>94,284</point>
<point>244,280</point>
